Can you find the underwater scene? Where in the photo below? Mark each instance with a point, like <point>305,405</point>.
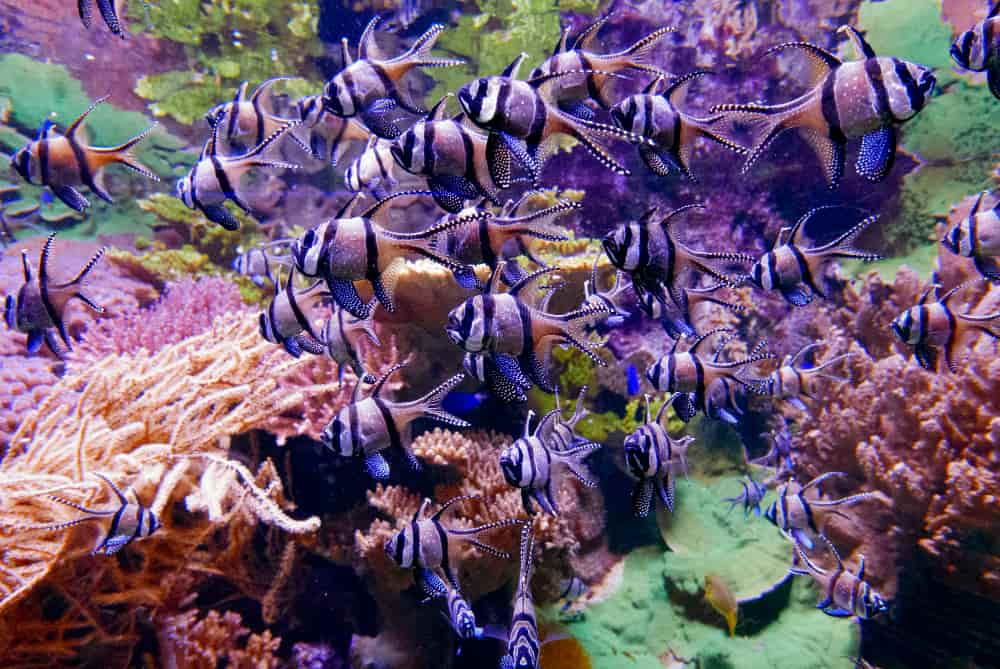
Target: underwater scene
<point>515,334</point>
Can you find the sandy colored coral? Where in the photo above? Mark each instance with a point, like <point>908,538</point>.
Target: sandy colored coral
<point>190,642</point>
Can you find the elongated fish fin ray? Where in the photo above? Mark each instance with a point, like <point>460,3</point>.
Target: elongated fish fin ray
<point>118,493</point>
<point>947,297</point>
<point>574,460</point>
<point>440,108</point>
<point>262,94</point>
<point>385,377</point>
<point>587,36</point>
<point>561,44</point>
<point>366,45</point>
<point>419,55</point>
<point>527,558</point>
<point>794,235</point>
<point>75,125</point>
<point>514,68</point>
<point>861,45</point>
<point>666,405</point>
<point>431,402</point>
<point>821,478</point>
<point>80,507</point>
<point>677,87</point>
<point>841,247</point>
<point>530,279</point>
<point>693,349</point>
<point>374,209</point>
<point>348,208</point>
<point>823,62</point>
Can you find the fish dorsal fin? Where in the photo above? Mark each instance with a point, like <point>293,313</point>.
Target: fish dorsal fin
<point>795,235</point>
<point>561,44</point>
<point>995,11</point>
<point>579,411</point>
<point>212,144</point>
<point>784,236</point>
<point>823,62</point>
<point>447,505</point>
<point>43,130</point>
<point>514,67</point>
<point>437,112</point>
<point>669,218</point>
<point>345,52</point>
<point>545,424</point>
<point>861,45</point>
<point>977,205</point>
<point>75,125</point>
<point>372,210</point>
<point>944,299</point>
<point>531,278</point>
<point>118,493</point>
<point>649,412</point>
<point>666,405</point>
<point>377,389</point>
<point>26,264</point>
<point>801,353</point>
<point>677,88</point>
<point>366,45</point>
<point>493,287</point>
<point>277,280</point>
<point>924,296</point>
<point>421,509</point>
<point>586,38</point>
<point>527,423</point>
<point>654,87</point>
<point>348,208</point>
<point>458,118</point>
<point>262,94</point>
<point>693,350</point>
<point>43,263</point>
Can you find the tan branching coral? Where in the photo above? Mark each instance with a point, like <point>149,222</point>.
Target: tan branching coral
<point>190,642</point>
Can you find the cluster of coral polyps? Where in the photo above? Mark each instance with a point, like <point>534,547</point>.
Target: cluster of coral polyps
<point>929,441</point>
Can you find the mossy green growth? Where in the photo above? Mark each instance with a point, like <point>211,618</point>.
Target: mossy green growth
<point>228,42</point>
<point>955,136</point>
<point>207,237</point>
<point>922,259</point>
<point>164,266</point>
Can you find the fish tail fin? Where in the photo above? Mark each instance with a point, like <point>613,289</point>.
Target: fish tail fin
<point>760,123</point>
<point>539,225</point>
<point>572,326</point>
<point>418,55</point>
<point>714,128</point>
<point>431,403</point>
<point>121,154</point>
<point>79,282</point>
<point>843,246</point>
<point>638,56</point>
<point>584,132</point>
<point>425,243</point>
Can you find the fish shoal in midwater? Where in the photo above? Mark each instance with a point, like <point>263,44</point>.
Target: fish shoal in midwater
<point>517,335</point>
<point>845,593</point>
<point>40,304</point>
<point>795,378</point>
<point>678,323</point>
<point>327,135</point>
<point>366,427</point>
<point>977,236</point>
<point>503,237</point>
<point>523,641</point>
<point>750,497</point>
<point>374,170</point>
<point>978,49</point>
<point>215,178</point>
<point>694,376</point>
<point>536,463</point>
<point>425,544</point>
<point>341,337</point>
<point>593,72</point>
<point>111,12</point>
<point>62,162</point>
<point>866,99</point>
<point>930,325</point>
<point>248,116</point>
<point>649,252</point>
<point>652,457</point>
<point>797,271</point>
<point>370,87</point>
<point>286,320</point>
<point>718,594</point>
<point>524,122</point>
<point>350,248</point>
<point>799,518</point>
<point>655,116</point>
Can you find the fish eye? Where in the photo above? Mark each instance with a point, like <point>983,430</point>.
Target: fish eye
<point>309,239</point>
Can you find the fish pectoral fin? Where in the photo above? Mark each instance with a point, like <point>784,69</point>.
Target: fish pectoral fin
<point>291,345</point>
<point>578,109</point>
<point>346,295</point>
<point>217,213</point>
<point>877,154</point>
<point>538,369</point>
<point>71,197</point>
<point>451,192</point>
<point>377,466</point>
<point>86,16</point>
<point>35,339</point>
<point>802,539</point>
<point>830,152</point>
<point>685,407</point>
<point>837,613</point>
<point>377,119</point>
<point>797,296</point>
<point>384,284</point>
<point>526,495</point>
<point>110,16</point>
<point>113,545</point>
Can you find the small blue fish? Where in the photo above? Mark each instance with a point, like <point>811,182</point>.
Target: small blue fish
<point>462,403</point>
<point>632,374</point>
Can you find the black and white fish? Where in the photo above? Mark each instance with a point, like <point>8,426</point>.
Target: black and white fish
<point>374,170</point>
<point>797,271</point>
<point>613,298</point>
<point>371,87</point>
<point>977,236</point>
<point>63,162</point>
<point>978,49</point>
<point>215,178</point>
<point>327,135</point>
<point>571,590</point>
<point>523,642</point>
<point>845,593</point>
<point>366,427</point>
<point>460,615</point>
<point>258,263</point>
<point>426,545</point>
<point>653,457</point>
<point>794,378</point>
<point>341,337</point>
<point>286,320</point>
<point>111,11</point>
<point>249,116</point>
<point>750,497</point>
<point>800,518</point>
<point>678,323</point>
<point>930,325</point>
<point>867,99</point>
<point>40,305</point>
<point>536,463</point>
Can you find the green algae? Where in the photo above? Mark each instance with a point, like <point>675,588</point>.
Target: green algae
<point>227,42</point>
<point>207,237</point>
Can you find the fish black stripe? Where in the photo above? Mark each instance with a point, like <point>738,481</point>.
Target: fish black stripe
<point>643,247</point>
<point>536,130</point>
<point>468,316</point>
<point>804,270</point>
<point>138,524</point>
<point>81,163</point>
<point>952,333</point>
<point>442,535</point>
<point>470,158</point>
<point>260,122</point>
<point>647,128</point>
<point>371,251</point>
<point>390,423</point>
<point>671,264</point>
<point>677,132</point>
<point>807,509</point>
<point>592,88</point>
<point>476,106</point>
<point>973,234</point>
<point>272,319</point>
<point>225,186</point>
<point>387,82</point>
<point>527,340</point>
<point>783,498</point>
<point>352,419</point>
<point>351,87</point>
<point>913,92</point>
<point>503,94</point>
<point>873,70</point>
<point>401,544</point>
<point>43,162</point>
<point>429,148</point>
<point>700,396</point>
<point>408,144</point>
<point>832,588</point>
<point>489,315</point>
<point>113,527</point>
<point>828,102</point>
<point>532,467</point>
<point>485,243</point>
<point>300,317</point>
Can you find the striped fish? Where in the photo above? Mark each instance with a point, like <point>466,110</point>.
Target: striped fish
<point>503,325</point>
<point>648,251</point>
<point>40,304</point>
<point>866,99</point>
<point>460,615</point>
<point>111,11</point>
<point>694,378</point>
<point>793,378</point>
<point>750,498</point>
<point>62,162</point>
<point>503,237</point>
<point>535,463</point>
<point>215,178</point>
<point>341,337</point>
<point>798,518</point>
<point>797,272</point>
<point>656,116</point>
<point>977,236</point>
<point>978,49</point>
<point>327,135</point>
<point>370,87</point>
<point>652,457</point>
<point>366,427</point>
<point>571,590</point>
<point>508,384</point>
<point>351,248</point>
<point>125,523</point>
<point>593,72</point>
<point>257,263</point>
<point>373,170</point>
<point>524,122</point>
<point>244,116</point>
<point>286,321</point>
<point>561,433</point>
<point>523,643</point>
<point>426,544</point>
<point>845,593</point>
<point>930,325</point>
<point>452,157</point>
<point>679,323</point>
<point>611,298</point>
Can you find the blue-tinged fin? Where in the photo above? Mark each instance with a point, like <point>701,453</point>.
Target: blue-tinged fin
<point>632,376</point>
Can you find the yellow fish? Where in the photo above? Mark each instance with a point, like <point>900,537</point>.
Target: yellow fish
<point>718,594</point>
